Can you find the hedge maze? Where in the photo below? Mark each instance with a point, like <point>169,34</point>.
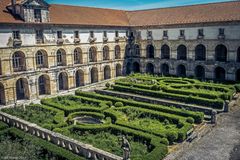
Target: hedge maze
<point>150,128</point>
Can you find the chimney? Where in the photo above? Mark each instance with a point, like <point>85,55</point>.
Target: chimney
<point>13,6</point>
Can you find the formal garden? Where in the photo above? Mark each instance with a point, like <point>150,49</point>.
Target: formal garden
<point>101,120</point>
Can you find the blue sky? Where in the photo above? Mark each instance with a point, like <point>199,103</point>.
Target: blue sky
<point>132,4</point>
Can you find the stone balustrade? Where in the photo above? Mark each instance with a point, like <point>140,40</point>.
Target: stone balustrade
<point>72,145</point>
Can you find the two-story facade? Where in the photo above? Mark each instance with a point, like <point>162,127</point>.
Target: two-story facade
<point>46,49</point>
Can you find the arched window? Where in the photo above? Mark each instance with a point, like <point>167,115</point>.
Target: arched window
<point>150,51</point>
<point>181,71</point>
<point>79,78</point>
<point>220,74</point>
<point>61,57</point>
<point>118,70</point>
<point>94,75</point>
<point>221,53</point>
<point>238,55</point>
<point>200,53</point>
<point>182,52</point>
<point>165,69</point>
<point>63,81</point>
<point>238,75</point>
<point>18,61</point>
<point>107,72</point>
<point>2,95</point>
<point>44,85</point>
<point>136,67</point>
<point>92,54</point>
<point>106,53</point>
<point>41,59</point>
<point>78,56</point>
<point>117,52</point>
<point>200,72</point>
<point>150,68</point>
<point>165,52</point>
<point>128,50</point>
<point>22,89</point>
<point>136,50</point>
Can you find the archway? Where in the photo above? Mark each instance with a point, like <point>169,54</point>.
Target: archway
<point>61,57</point>
<point>136,67</point>
<point>127,50</point>
<point>165,69</point>
<point>165,52</point>
<point>2,95</point>
<point>221,53</point>
<point>44,85</point>
<point>41,59</point>
<point>92,54</point>
<point>78,57</point>
<point>94,75</point>
<point>238,75</point>
<point>128,68</point>
<point>118,70</point>
<point>150,51</point>
<point>220,74</point>
<point>200,72</point>
<point>200,53</point>
<point>181,71</point>
<point>79,78</point>
<point>63,81</point>
<point>22,89</point>
<point>150,68</point>
<point>107,72</point>
<point>19,61</point>
<point>106,53</point>
<point>117,52</point>
<point>182,52</point>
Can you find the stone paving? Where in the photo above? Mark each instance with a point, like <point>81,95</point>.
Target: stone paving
<point>222,143</point>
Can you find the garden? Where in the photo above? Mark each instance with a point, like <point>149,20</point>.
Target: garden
<point>101,120</point>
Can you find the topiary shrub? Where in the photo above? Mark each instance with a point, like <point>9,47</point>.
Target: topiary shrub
<point>180,124</point>
<point>108,85</point>
<point>237,86</point>
<point>181,136</point>
<point>166,122</point>
<point>155,87</point>
<point>164,141</point>
<point>109,103</point>
<point>172,136</point>
<point>118,104</point>
<point>190,120</point>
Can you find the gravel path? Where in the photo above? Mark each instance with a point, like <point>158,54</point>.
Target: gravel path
<point>222,143</point>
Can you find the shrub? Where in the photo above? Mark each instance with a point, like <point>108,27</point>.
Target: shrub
<point>166,122</point>
<point>118,104</point>
<point>108,85</point>
<point>155,87</point>
<point>181,136</point>
<point>172,136</point>
<point>109,103</point>
<point>190,120</point>
<point>164,141</point>
<point>237,87</point>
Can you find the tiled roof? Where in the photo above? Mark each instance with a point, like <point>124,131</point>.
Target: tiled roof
<point>63,14</point>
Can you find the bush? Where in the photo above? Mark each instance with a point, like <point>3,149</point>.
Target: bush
<point>109,103</point>
<point>190,120</point>
<point>118,104</point>
<point>155,87</point>
<point>172,136</point>
<point>181,136</point>
<point>237,87</point>
<point>164,141</point>
<point>108,85</point>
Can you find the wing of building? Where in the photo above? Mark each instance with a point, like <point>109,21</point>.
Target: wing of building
<point>50,48</point>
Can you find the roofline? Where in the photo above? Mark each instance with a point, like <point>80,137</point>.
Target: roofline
<point>180,6</point>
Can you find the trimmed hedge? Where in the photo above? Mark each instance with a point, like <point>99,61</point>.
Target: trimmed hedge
<point>198,116</point>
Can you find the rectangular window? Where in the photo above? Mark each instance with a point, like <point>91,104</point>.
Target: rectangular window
<point>182,32</point>
<point>105,34</point>
<point>200,32</point>
<point>149,33</point>
<point>91,34</point>
<point>116,34</point>
<point>16,35</point>
<point>127,33</point>
<point>39,36</point>
<point>165,33</point>
<point>59,34</point>
<point>221,31</point>
<point>76,34</point>
<point>37,15</point>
